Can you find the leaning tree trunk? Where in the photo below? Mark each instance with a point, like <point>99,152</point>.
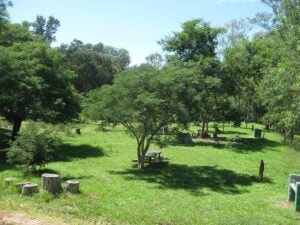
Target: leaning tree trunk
<point>16,128</point>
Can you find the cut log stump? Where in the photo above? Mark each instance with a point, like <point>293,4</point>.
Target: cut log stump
<point>77,131</point>
<point>72,186</point>
<point>8,181</point>
<point>19,186</point>
<point>29,189</point>
<point>51,183</point>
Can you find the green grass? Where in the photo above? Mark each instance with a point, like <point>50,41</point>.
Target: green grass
<point>205,183</point>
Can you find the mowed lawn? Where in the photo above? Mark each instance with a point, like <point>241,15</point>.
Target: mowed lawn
<point>205,183</point>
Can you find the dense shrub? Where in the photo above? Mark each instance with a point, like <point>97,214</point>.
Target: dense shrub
<point>34,147</point>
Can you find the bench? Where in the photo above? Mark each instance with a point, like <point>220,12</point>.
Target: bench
<point>294,190</point>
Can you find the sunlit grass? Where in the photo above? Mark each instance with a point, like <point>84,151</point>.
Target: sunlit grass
<point>205,183</point>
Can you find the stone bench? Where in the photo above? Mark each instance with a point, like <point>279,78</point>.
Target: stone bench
<point>294,190</point>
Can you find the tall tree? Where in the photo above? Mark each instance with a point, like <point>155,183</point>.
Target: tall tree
<point>46,28</point>
<point>155,59</point>
<point>3,9</point>
<point>196,39</point>
<point>143,99</point>
<point>281,81</point>
<point>95,65</point>
<point>35,85</point>
<point>194,48</point>
<point>236,31</point>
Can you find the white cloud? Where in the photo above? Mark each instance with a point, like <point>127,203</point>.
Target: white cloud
<point>235,1</point>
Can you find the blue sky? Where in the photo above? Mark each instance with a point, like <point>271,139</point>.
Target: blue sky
<point>135,25</point>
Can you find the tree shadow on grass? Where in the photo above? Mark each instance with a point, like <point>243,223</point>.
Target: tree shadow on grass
<point>239,145</point>
<point>194,143</point>
<point>234,132</point>
<point>248,145</point>
<point>67,152</point>
<point>5,135</point>
<point>3,164</point>
<point>194,178</point>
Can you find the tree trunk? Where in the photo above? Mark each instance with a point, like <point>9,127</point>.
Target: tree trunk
<point>16,128</point>
<point>203,128</point>
<point>142,163</point>
<point>292,135</point>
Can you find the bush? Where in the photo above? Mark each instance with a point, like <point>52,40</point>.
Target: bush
<point>34,147</point>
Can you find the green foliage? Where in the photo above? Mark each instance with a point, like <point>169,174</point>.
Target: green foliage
<point>155,59</point>
<point>34,147</point>
<point>196,39</point>
<point>3,13</point>
<point>95,65</point>
<point>34,84</point>
<point>46,29</point>
<point>143,99</point>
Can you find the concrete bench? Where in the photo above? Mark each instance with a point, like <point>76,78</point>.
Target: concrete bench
<point>294,190</point>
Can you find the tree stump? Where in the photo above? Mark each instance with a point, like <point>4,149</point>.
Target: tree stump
<point>184,138</point>
<point>77,130</point>
<point>51,183</point>
<point>19,186</point>
<point>72,186</point>
<point>29,189</point>
<point>8,181</point>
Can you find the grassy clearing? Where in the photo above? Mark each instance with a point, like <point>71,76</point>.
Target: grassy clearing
<point>205,183</point>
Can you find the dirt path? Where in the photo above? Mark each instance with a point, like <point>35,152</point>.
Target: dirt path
<point>14,218</point>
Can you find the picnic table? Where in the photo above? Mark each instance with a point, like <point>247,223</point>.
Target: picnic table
<point>152,156</point>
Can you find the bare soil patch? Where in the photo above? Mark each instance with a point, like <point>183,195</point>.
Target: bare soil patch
<point>15,218</point>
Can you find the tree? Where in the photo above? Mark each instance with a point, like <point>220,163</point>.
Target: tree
<point>202,87</point>
<point>35,147</point>
<point>46,29</point>
<point>196,39</point>
<point>120,56</point>
<point>95,65</point>
<point>16,33</point>
<point>143,99</point>
<point>3,13</point>
<point>35,85</point>
<point>194,49</point>
<point>155,59</point>
<point>281,81</point>
<point>236,31</point>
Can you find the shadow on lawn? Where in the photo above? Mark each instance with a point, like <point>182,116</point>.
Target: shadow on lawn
<point>5,135</point>
<point>239,145</point>
<point>234,132</point>
<point>255,145</point>
<point>3,164</point>
<point>194,178</point>
<point>67,152</point>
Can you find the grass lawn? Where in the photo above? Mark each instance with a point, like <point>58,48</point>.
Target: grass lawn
<point>205,183</point>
